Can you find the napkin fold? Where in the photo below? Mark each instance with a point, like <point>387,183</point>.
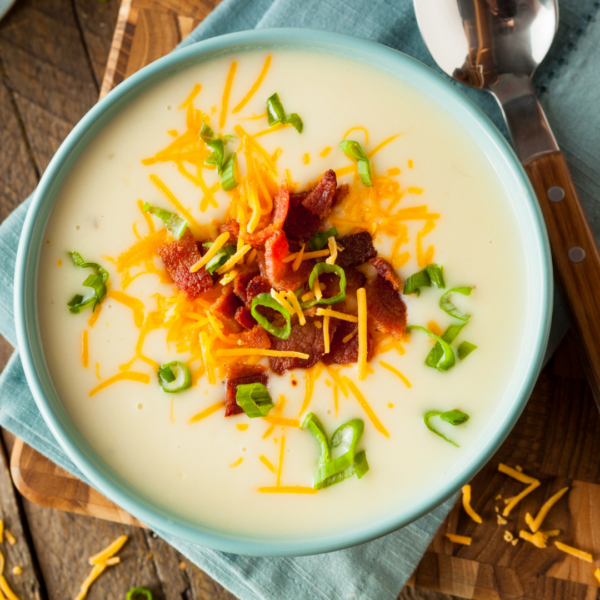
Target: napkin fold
<point>568,86</point>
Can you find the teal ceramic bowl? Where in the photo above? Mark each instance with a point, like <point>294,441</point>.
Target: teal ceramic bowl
<point>537,258</point>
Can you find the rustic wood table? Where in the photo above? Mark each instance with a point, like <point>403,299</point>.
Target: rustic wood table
<point>53,54</point>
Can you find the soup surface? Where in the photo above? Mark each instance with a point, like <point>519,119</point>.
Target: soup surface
<point>436,199</point>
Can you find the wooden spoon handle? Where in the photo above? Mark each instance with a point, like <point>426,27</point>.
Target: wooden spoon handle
<point>575,253</point>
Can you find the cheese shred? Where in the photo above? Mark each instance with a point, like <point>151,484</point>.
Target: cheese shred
<point>574,552</point>
<point>85,354</point>
<point>361,296</point>
<point>326,333</point>
<point>535,524</point>
<point>459,539</point>
<point>234,260</point>
<point>533,484</point>
<point>217,245</point>
<point>328,312</point>
<point>333,251</point>
<point>539,539</point>
<point>259,352</point>
<point>466,500</point>
<point>297,309</point>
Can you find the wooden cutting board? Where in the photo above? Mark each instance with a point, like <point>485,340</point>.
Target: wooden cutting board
<point>557,439</point>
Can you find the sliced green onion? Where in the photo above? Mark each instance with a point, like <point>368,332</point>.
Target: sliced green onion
<point>447,306</point>
<point>173,222</point>
<point>270,302</point>
<point>136,592</point>
<point>454,417</point>
<point>276,114</point>
<point>319,240</point>
<point>415,282</point>
<point>318,269</point>
<point>465,349</point>
<point>331,471</point>
<point>206,132</point>
<point>354,150</point>
<point>174,377</point>
<point>436,274</point>
<point>447,359</point>
<point>228,181</point>
<point>295,121</point>
<point>430,274</point>
<point>436,352</point>
<point>221,257</point>
<point>254,399</point>
<point>97,282</point>
<point>312,422</point>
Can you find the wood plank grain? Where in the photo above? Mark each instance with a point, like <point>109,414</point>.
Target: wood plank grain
<point>27,584</point>
<point>45,65</point>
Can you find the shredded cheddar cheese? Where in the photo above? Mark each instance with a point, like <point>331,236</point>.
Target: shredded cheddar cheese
<point>395,372</point>
<point>259,352</point>
<point>365,405</point>
<point>466,499</point>
<point>574,552</point>
<point>328,312</point>
<point>298,259</point>
<point>326,341</point>
<point>124,376</point>
<point>535,524</point>
<point>306,255</point>
<point>508,536</point>
<point>383,144</point>
<point>206,412</point>
<point>234,260</point>
<point>539,539</point>
<point>137,306</point>
<point>1,534</point>
<point>279,297</point>
<point>10,538</point>
<point>333,251</point>
<point>17,570</point>
<point>361,296</point>
<point>92,320</point>
<point>597,575</point>
<point>335,375</point>
<point>217,245</point>
<point>297,309</point>
<point>459,539</point>
<point>237,462</point>
<point>226,92</point>
<point>254,87</point>
<point>100,561</point>
<point>325,152</point>
<point>347,338</point>
<point>190,99</point>
<point>85,354</point>
<point>501,520</point>
<point>512,502</point>
<point>265,461</point>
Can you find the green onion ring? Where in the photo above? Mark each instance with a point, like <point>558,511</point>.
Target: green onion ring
<point>170,380</point>
<point>454,417</point>
<point>318,269</point>
<point>447,306</point>
<point>135,592</point>
<point>465,349</point>
<point>254,399</point>
<point>270,302</point>
<point>447,360</point>
<point>449,336</point>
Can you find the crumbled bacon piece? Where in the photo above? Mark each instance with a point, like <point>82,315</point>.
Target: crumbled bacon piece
<point>345,353</point>
<point>276,249</point>
<point>244,317</point>
<point>178,256</point>
<point>257,285</point>
<point>240,284</point>
<point>320,200</point>
<point>386,270</point>
<point>307,339</point>
<point>300,223</point>
<point>385,306</point>
<point>358,248</point>
<point>281,205</point>
<point>257,337</point>
<point>233,228</point>
<point>239,374</point>
<point>225,309</point>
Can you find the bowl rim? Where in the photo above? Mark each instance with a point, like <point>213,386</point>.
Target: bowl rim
<point>373,53</point>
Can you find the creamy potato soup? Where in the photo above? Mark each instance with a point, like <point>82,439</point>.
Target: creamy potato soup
<point>214,353</point>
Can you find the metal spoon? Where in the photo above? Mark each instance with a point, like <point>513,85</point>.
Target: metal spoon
<point>495,46</point>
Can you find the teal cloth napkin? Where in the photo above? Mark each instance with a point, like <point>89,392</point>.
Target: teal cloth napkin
<point>568,85</point>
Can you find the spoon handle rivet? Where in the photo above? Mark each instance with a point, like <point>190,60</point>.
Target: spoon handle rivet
<point>576,254</point>
<point>556,194</point>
